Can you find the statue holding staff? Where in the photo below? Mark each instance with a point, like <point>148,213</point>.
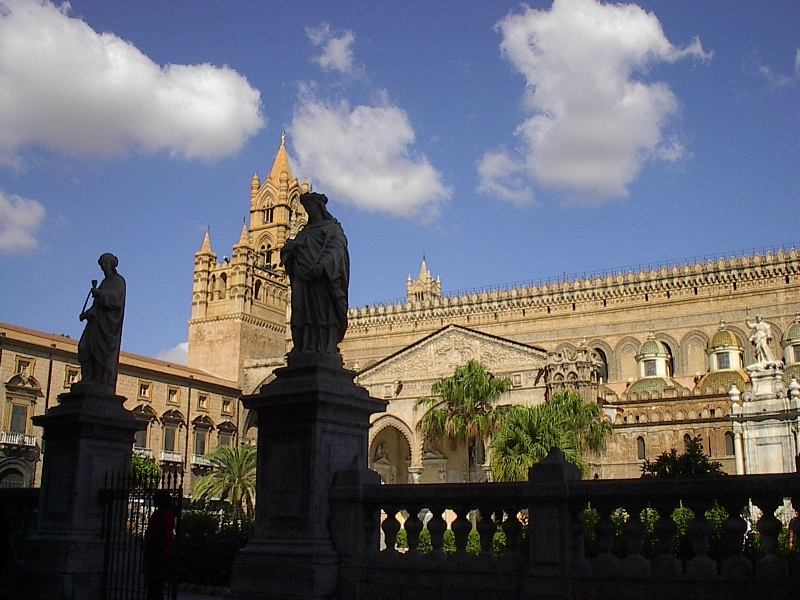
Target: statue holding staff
<point>318,265</point>
<point>98,349</point>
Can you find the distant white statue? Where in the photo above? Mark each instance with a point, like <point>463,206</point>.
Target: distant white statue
<point>760,337</point>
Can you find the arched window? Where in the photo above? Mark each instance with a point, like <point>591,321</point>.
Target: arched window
<point>223,285</point>
<point>603,370</point>
<point>641,453</point>
<point>257,290</point>
<point>12,478</point>
<point>670,360</point>
<point>269,214</point>
<point>687,439</point>
<point>729,447</point>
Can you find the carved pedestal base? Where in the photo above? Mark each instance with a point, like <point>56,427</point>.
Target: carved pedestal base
<point>313,421</point>
<point>87,435</point>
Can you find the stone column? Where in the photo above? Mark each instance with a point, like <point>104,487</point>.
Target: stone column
<point>313,422</point>
<point>738,449</point>
<point>87,436</point>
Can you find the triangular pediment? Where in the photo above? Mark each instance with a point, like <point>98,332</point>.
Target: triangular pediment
<point>440,353</point>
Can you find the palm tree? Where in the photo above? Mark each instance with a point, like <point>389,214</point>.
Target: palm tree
<point>528,433</point>
<point>233,478</point>
<point>462,406</point>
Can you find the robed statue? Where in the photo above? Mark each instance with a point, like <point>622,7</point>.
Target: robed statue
<point>760,338</point>
<point>98,350</point>
<point>318,266</point>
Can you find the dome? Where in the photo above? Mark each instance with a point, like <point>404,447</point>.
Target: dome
<point>652,347</point>
<point>719,382</point>
<point>653,385</point>
<point>724,339</point>
<point>793,333</point>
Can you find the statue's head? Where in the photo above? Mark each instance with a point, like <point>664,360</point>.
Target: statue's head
<point>314,203</point>
<point>759,317</point>
<point>108,261</point>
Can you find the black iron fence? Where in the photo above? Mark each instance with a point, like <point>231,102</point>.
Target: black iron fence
<point>128,506</point>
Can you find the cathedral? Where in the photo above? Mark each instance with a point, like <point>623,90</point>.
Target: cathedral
<point>661,349</point>
<point>708,348</point>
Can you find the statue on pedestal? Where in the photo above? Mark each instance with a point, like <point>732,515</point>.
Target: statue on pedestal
<point>318,265</point>
<point>98,349</point>
<point>760,338</point>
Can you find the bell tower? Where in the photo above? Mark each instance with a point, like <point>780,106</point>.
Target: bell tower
<point>239,304</point>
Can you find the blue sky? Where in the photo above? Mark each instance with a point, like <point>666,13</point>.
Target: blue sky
<point>505,141</point>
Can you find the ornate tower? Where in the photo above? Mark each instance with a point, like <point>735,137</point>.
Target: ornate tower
<point>424,288</point>
<point>239,305</point>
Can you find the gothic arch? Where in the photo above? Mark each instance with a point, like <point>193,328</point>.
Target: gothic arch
<point>392,421</point>
<point>626,348</point>
<point>566,346</point>
<point>674,350</point>
<point>598,344</point>
<point>694,336</point>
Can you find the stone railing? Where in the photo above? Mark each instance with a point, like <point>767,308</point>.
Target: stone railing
<point>537,538</point>
<point>201,461</point>
<point>143,452</point>
<point>16,439</point>
<point>169,456</point>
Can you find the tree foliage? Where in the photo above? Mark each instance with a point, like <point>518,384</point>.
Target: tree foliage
<point>694,462</point>
<point>528,433</point>
<point>233,478</point>
<point>145,471</point>
<point>462,406</point>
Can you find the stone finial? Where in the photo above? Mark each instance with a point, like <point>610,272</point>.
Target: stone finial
<point>734,394</point>
<point>794,389</point>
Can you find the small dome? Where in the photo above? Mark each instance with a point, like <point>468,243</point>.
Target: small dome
<point>724,339</point>
<point>793,333</point>
<point>652,347</point>
<point>653,385</point>
<point>719,382</point>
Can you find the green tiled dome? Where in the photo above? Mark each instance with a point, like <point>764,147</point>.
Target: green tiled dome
<point>653,346</point>
<point>653,385</point>
<point>721,381</point>
<point>793,333</point>
<point>725,339</point>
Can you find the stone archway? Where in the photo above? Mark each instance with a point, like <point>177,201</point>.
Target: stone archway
<point>390,455</point>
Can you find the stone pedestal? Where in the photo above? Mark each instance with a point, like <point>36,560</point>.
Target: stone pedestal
<point>764,422</point>
<point>87,435</point>
<point>313,422</point>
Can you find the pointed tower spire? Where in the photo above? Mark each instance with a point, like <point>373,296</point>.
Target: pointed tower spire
<point>205,248</point>
<point>281,164</point>
<point>424,273</point>
<point>244,239</point>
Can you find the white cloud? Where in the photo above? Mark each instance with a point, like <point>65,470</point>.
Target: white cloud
<point>178,354</point>
<point>779,80</point>
<point>65,87</point>
<point>364,155</point>
<point>336,51</point>
<point>502,175</point>
<point>19,221</point>
<point>592,125</point>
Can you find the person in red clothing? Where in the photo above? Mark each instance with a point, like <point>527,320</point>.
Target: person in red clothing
<point>159,545</point>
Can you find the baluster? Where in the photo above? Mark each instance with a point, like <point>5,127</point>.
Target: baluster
<point>413,526</point>
<point>733,564</point>
<point>436,527</point>
<point>665,564</point>
<point>372,528</point>
<point>605,563</point>
<point>390,527</point>
<point>633,531</point>
<point>769,527</point>
<point>461,527</point>
<point>512,528</point>
<point>794,538</point>
<point>486,528</point>
<point>699,532</point>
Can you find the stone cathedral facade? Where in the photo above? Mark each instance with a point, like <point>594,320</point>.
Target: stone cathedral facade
<point>659,348</point>
<point>664,350</point>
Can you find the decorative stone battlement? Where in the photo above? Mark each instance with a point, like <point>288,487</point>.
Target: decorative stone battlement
<point>659,284</point>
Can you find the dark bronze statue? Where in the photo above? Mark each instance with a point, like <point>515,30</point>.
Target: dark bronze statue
<point>318,266</point>
<point>98,350</point>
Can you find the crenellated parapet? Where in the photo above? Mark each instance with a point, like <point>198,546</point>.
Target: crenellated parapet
<point>664,284</point>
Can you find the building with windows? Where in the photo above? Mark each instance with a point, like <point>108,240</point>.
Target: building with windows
<point>661,348</point>
<point>183,412</point>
